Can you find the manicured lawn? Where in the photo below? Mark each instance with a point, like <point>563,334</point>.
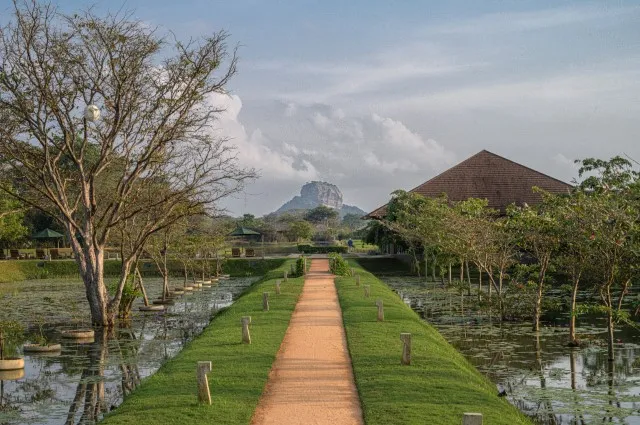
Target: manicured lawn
<point>239,373</point>
<point>437,388</point>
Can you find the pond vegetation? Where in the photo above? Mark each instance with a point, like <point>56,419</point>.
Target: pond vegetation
<point>540,374</point>
<point>86,379</point>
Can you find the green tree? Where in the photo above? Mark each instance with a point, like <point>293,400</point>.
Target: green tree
<point>11,218</point>
<point>300,230</point>
<point>537,231</point>
<point>612,219</point>
<point>321,214</point>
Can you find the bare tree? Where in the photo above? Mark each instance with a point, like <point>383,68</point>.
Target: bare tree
<point>150,159</point>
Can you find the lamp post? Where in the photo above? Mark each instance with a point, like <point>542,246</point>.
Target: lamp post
<point>92,113</point>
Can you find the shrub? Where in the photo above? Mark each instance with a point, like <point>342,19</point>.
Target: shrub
<point>310,249</point>
<point>300,263</point>
<point>338,265</point>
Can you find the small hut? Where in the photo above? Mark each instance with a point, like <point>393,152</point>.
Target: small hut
<point>244,236</point>
<point>48,235</point>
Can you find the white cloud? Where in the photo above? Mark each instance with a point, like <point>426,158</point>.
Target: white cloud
<point>254,150</point>
<point>322,143</point>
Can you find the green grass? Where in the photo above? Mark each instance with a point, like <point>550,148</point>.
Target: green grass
<point>239,373</point>
<point>437,388</point>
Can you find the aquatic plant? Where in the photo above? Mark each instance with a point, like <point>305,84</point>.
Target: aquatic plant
<point>11,336</point>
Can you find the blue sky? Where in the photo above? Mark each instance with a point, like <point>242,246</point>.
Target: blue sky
<point>377,95</point>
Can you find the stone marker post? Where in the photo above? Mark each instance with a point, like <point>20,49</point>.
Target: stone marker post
<point>367,291</point>
<point>286,278</point>
<point>246,336</point>
<point>277,286</point>
<point>265,301</point>
<point>406,348</point>
<point>380,310</point>
<point>353,272</point>
<point>357,280</point>
<point>472,419</point>
<point>204,396</point>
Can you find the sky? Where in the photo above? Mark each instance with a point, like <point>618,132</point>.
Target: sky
<point>375,96</point>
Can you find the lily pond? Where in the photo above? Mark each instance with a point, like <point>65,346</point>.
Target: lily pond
<point>85,380</point>
<point>547,380</point>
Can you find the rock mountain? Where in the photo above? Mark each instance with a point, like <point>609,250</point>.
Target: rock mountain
<point>316,193</point>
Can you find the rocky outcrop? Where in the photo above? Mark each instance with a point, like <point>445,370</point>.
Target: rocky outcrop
<point>313,195</point>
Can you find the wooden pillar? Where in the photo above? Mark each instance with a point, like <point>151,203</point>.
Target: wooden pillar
<point>406,348</point>
<point>204,396</point>
<point>472,419</point>
<point>246,336</point>
<point>277,286</point>
<point>286,278</point>
<point>265,301</point>
<point>367,291</point>
<point>380,310</point>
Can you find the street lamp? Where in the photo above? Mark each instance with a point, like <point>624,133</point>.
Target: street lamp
<point>92,113</point>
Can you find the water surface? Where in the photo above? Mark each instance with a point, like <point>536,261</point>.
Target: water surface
<point>85,380</point>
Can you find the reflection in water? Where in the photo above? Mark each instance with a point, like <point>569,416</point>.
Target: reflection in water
<point>552,383</point>
<point>89,378</point>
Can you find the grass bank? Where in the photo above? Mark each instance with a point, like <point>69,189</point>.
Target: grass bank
<point>438,387</point>
<point>17,270</point>
<point>239,373</point>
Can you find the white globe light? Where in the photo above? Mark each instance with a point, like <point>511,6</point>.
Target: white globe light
<point>92,113</point>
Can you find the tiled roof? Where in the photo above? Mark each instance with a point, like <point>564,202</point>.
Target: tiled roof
<point>486,175</point>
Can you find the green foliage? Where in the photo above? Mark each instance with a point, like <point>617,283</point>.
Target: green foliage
<point>11,218</point>
<point>310,249</point>
<point>300,230</point>
<point>300,267</point>
<point>11,336</point>
<point>338,265</point>
<point>321,214</point>
<point>240,370</point>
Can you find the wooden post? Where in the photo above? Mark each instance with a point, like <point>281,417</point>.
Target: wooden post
<point>472,419</point>
<point>357,280</point>
<point>406,348</point>
<point>286,278</point>
<point>265,301</point>
<point>277,286</point>
<point>367,291</point>
<point>204,396</point>
<point>380,310</point>
<point>353,272</point>
<point>246,336</point>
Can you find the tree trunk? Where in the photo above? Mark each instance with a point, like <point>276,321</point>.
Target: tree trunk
<point>610,328</point>
<point>426,265</point>
<point>537,311</point>
<point>572,320</point>
<point>433,266</point>
<point>449,273</point>
<point>461,271</point>
<point>91,265</point>
<point>466,264</point>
